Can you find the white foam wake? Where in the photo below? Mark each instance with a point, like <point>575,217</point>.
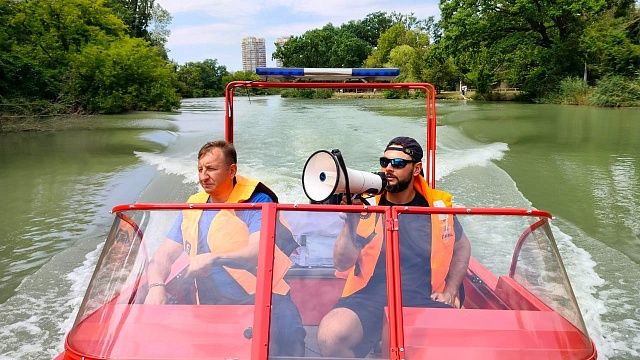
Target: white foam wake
<point>182,165</point>
<point>451,160</point>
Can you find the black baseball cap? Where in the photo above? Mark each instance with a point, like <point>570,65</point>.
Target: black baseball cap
<point>408,146</point>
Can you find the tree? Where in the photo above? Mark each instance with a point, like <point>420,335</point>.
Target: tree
<point>395,36</point>
<point>440,69</point>
<point>533,44</point>
<point>144,19</point>
<point>609,47</point>
<point>407,59</point>
<point>78,52</point>
<point>126,74</point>
<point>369,28</point>
<point>325,47</point>
<point>158,30</point>
<point>48,31</point>
<point>136,15</point>
<point>38,38</point>
<point>348,50</point>
<point>202,79</point>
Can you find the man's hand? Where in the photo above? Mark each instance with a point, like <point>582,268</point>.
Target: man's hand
<point>356,201</point>
<point>444,297</point>
<point>200,265</point>
<point>157,295</point>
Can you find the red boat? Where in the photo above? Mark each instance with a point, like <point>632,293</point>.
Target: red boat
<point>518,300</point>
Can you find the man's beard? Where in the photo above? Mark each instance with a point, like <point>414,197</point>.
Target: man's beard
<point>400,186</point>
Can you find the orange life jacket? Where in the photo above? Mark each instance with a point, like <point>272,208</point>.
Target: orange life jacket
<point>228,233</point>
<point>442,242</point>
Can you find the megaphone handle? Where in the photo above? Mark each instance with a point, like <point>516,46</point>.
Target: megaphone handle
<point>343,167</point>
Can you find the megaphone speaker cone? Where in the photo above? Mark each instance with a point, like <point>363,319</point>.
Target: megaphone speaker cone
<point>320,176</point>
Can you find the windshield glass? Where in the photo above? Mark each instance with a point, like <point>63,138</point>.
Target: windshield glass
<point>515,272</point>
<point>121,317</point>
<point>181,283</point>
<point>322,276</point>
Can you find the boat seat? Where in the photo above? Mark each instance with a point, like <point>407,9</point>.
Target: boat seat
<point>314,291</point>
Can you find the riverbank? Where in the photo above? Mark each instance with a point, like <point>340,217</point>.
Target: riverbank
<point>39,123</point>
<point>445,95</point>
<point>498,95</point>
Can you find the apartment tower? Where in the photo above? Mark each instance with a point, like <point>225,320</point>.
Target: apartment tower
<point>280,41</point>
<point>253,53</point>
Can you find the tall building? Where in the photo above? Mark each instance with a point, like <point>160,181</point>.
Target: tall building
<point>280,41</point>
<point>253,53</point>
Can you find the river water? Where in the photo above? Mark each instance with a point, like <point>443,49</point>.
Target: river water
<point>582,164</point>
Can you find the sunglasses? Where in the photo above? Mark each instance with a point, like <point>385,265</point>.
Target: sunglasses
<point>396,163</point>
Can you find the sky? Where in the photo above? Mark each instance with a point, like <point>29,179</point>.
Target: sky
<point>213,29</point>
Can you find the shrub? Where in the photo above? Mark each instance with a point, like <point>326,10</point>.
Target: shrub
<point>308,93</point>
<point>128,74</point>
<point>570,91</point>
<point>616,90</point>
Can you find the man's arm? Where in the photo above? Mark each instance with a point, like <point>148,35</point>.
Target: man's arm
<point>201,264</point>
<point>457,271</point>
<point>159,269</point>
<point>345,252</point>
<point>247,256</point>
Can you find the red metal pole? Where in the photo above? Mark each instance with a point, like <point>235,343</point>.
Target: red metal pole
<point>394,285</point>
<point>262,309</point>
<point>228,111</point>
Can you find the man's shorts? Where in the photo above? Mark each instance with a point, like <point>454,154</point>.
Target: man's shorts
<point>371,312</point>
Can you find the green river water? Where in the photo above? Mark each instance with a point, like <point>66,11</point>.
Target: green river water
<point>582,164</point>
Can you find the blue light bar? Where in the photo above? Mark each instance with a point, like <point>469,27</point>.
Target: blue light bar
<point>364,72</point>
<point>329,73</point>
<point>267,71</point>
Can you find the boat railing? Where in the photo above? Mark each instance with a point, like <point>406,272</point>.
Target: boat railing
<point>512,289</point>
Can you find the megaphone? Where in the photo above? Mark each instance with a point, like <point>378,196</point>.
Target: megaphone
<point>325,175</point>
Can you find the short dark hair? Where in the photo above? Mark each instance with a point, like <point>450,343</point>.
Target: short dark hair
<point>227,148</point>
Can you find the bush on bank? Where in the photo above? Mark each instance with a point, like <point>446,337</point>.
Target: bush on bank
<point>77,55</point>
<point>124,75</point>
<point>615,91</point>
<point>307,93</point>
<point>610,91</point>
<point>571,91</point>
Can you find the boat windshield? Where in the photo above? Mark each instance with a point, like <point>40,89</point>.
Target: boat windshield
<point>514,291</point>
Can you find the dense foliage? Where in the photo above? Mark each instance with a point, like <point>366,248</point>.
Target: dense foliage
<point>127,74</point>
<point>78,53</point>
<point>109,56</point>
<point>344,46</point>
<point>536,46</point>
<point>202,79</point>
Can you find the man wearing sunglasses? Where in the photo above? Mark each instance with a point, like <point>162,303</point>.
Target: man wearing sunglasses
<point>434,256</point>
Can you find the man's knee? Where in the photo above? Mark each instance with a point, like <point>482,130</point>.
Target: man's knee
<point>339,332</point>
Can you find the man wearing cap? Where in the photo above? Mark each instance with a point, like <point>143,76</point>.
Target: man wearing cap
<point>434,256</point>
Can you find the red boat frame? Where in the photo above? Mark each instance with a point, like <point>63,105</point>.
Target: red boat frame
<point>428,89</point>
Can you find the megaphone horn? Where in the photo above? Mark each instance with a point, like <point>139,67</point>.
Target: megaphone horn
<point>324,175</point>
